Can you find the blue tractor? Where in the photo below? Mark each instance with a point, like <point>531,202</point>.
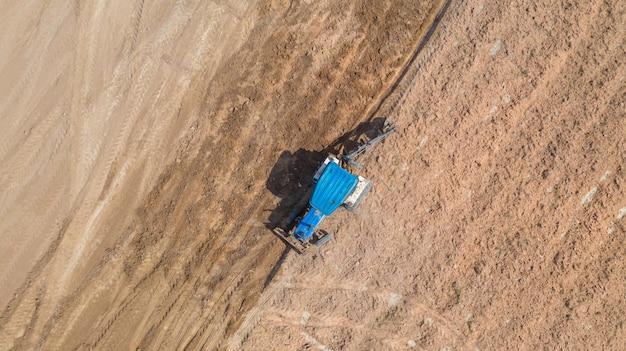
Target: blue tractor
<point>334,186</point>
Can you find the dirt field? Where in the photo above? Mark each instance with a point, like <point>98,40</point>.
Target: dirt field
<point>147,149</point>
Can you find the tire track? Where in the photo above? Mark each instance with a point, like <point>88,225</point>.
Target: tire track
<point>218,331</point>
<point>184,338</point>
<point>23,166</point>
<point>201,59</point>
<point>137,95</point>
<point>323,60</point>
<point>229,287</point>
<point>100,177</point>
<point>211,332</point>
<point>11,145</point>
<point>29,214</point>
<point>372,326</point>
<point>24,317</point>
<point>111,274</point>
<point>20,300</point>
<point>155,334</point>
<point>117,328</point>
<point>254,315</point>
<point>32,146</point>
<point>87,121</point>
<point>388,101</point>
<point>135,290</point>
<point>24,87</point>
<point>13,23</point>
<point>161,122</point>
<point>173,26</point>
<point>111,271</point>
<point>157,328</point>
<point>136,25</point>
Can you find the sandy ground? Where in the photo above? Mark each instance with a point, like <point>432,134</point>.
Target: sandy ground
<point>147,148</point>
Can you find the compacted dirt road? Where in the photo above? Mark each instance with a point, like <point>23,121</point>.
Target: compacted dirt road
<point>149,147</point>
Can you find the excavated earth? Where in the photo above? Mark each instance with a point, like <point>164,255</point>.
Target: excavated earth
<point>148,149</point>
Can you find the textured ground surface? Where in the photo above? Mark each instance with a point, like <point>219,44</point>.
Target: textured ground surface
<point>145,148</point>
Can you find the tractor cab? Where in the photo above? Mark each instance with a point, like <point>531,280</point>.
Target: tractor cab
<point>333,185</point>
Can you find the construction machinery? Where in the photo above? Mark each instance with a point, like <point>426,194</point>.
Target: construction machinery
<point>334,186</point>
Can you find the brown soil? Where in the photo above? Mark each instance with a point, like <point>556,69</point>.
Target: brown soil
<point>148,148</point>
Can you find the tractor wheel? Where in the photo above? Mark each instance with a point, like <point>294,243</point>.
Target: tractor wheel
<point>322,237</point>
<point>358,201</point>
<point>293,216</point>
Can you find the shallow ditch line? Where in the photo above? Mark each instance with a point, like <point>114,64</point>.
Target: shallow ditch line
<point>382,98</point>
